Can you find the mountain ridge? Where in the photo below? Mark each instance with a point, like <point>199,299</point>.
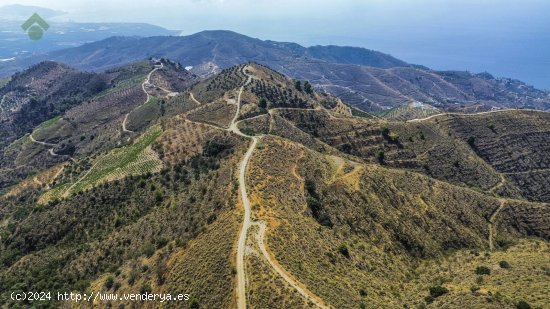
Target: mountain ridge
<point>368,80</point>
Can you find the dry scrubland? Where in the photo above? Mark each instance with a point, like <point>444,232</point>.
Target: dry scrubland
<point>363,212</point>
<point>375,245</point>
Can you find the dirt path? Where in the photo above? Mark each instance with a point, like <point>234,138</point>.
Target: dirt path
<point>124,124</point>
<point>66,193</point>
<point>491,224</point>
<point>247,222</point>
<point>193,98</point>
<point>474,114</point>
<point>146,81</point>
<point>260,238</point>
<point>41,143</point>
<point>241,246</point>
<point>499,185</point>
<point>240,290</point>
<point>50,149</point>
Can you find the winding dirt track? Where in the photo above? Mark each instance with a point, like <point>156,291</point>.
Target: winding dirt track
<point>146,81</point>
<point>474,114</point>
<point>491,224</point>
<point>193,98</point>
<point>247,223</point>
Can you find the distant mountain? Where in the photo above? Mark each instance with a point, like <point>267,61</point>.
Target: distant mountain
<point>368,80</point>
<point>22,12</point>
<point>14,42</point>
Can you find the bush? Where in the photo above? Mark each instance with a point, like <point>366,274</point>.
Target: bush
<point>158,196</point>
<point>109,283</point>
<point>436,291</point>
<point>343,249</point>
<point>381,157</point>
<point>298,85</point>
<point>523,305</point>
<point>145,288</point>
<point>148,250</point>
<point>262,103</point>
<point>483,270</point>
<point>194,304</point>
<point>504,264</point>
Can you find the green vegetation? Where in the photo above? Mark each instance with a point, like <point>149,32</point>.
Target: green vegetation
<point>159,210</point>
<point>308,88</point>
<point>435,292</point>
<point>262,103</point>
<point>409,111</point>
<point>4,81</point>
<point>483,270</point>
<point>298,85</point>
<point>523,305</point>
<point>130,160</point>
<point>48,123</point>
<point>504,264</point>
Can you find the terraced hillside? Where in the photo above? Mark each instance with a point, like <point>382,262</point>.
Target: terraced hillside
<point>95,122</point>
<point>415,110</point>
<point>369,80</point>
<point>251,190</point>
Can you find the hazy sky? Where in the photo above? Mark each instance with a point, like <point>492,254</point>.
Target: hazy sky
<point>504,37</point>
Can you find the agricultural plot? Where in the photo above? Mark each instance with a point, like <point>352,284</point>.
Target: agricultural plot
<point>130,160</point>
<point>410,111</point>
<point>135,159</point>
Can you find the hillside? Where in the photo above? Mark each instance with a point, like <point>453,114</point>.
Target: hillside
<point>369,80</point>
<point>248,189</point>
<point>53,113</point>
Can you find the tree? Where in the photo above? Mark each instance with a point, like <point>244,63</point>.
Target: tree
<point>298,85</point>
<point>381,157</point>
<point>307,88</point>
<point>262,103</point>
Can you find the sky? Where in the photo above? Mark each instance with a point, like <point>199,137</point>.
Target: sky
<point>504,37</point>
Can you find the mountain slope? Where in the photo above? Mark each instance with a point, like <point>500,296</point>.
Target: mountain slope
<point>266,182</point>
<point>369,80</point>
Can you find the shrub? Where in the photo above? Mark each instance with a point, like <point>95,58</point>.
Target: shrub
<point>479,280</point>
<point>194,304</point>
<point>436,291</point>
<point>262,103</point>
<point>298,85</point>
<point>381,157</point>
<point>472,142</point>
<point>158,196</point>
<point>483,270</point>
<point>109,283</point>
<point>145,288</point>
<point>504,264</point>
<point>307,88</point>
<point>148,250</point>
<point>343,250</point>
<point>523,305</point>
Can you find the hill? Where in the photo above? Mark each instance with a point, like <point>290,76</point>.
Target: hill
<point>369,80</point>
<point>250,188</point>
